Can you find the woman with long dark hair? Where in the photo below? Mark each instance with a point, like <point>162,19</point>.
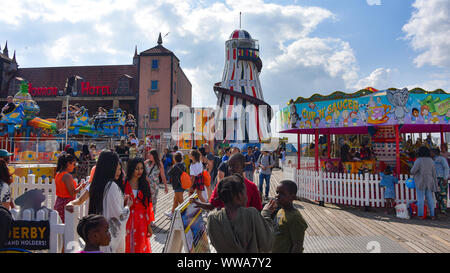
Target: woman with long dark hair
<point>139,228</point>
<point>66,187</point>
<point>5,181</point>
<point>155,168</point>
<point>107,198</point>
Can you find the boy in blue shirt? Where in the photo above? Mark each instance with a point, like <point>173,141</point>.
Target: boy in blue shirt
<point>388,181</point>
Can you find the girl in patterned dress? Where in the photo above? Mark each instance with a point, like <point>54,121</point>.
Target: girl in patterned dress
<point>138,227</point>
<point>196,172</point>
<point>154,169</point>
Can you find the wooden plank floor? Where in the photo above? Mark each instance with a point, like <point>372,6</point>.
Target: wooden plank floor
<point>342,229</point>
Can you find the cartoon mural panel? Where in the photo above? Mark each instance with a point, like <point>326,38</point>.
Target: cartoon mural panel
<point>386,107</point>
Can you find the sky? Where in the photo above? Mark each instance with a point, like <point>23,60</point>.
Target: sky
<point>306,46</point>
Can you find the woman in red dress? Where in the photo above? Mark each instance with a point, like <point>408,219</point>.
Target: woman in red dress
<point>139,228</point>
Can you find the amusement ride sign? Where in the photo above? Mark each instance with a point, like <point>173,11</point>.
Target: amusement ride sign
<point>88,90</point>
<point>42,91</point>
<point>30,235</point>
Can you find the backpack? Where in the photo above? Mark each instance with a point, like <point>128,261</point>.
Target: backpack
<point>206,178</point>
<point>260,158</point>
<point>185,180</point>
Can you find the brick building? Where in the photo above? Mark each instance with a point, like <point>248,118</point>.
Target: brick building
<point>148,88</point>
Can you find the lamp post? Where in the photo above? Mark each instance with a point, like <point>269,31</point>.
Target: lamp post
<point>67,116</point>
<point>146,116</point>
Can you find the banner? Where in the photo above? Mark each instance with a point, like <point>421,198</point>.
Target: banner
<point>31,235</point>
<point>387,107</point>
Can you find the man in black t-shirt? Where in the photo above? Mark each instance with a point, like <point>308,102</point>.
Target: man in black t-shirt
<point>175,174</point>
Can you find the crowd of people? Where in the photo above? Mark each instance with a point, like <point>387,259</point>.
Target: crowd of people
<point>124,184</point>
<point>123,199</point>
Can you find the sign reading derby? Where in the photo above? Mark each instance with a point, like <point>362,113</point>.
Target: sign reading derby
<point>31,235</point>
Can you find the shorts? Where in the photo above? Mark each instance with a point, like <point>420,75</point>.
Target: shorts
<point>199,184</point>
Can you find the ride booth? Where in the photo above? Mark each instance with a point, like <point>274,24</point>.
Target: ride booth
<point>347,140</point>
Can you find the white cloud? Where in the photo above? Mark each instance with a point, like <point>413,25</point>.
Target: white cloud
<point>429,30</point>
<point>374,2</point>
<point>58,11</point>
<point>434,81</point>
<point>311,65</point>
<point>202,80</point>
<point>295,62</point>
<point>379,79</point>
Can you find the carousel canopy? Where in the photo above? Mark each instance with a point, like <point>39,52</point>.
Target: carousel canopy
<point>415,111</point>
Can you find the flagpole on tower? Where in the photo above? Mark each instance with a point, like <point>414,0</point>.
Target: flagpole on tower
<point>240,13</point>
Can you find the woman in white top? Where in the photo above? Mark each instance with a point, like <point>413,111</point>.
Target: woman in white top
<point>196,172</point>
<point>106,198</point>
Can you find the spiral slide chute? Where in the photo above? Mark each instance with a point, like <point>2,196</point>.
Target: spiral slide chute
<point>42,123</point>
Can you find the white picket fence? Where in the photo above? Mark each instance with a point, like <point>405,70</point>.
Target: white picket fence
<point>346,189</point>
<point>59,232</point>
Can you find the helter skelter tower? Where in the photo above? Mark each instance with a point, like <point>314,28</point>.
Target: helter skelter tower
<point>244,116</point>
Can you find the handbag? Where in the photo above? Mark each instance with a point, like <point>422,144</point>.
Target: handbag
<point>410,184</point>
<point>185,179</point>
<point>402,211</point>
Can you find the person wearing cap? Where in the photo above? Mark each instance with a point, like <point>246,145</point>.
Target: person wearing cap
<point>5,155</point>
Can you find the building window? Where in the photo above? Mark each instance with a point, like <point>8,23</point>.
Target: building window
<point>154,86</point>
<point>155,64</point>
<point>124,84</point>
<point>154,113</point>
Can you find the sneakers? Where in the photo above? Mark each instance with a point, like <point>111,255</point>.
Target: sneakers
<point>168,214</point>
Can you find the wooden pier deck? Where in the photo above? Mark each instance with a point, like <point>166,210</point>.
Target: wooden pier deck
<point>342,229</point>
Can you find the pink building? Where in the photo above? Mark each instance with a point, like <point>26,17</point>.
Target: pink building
<point>162,85</point>
<point>148,88</point>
